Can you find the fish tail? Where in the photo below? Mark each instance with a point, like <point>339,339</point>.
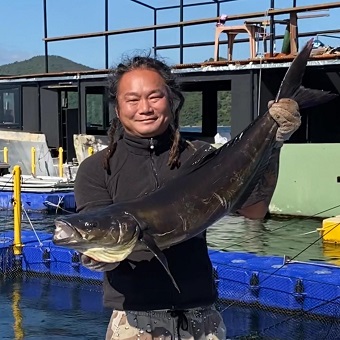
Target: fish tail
<point>311,97</point>
<point>291,84</point>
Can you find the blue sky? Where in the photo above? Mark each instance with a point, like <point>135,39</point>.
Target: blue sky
<point>21,28</point>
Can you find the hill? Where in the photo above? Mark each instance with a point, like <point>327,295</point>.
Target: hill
<point>37,65</point>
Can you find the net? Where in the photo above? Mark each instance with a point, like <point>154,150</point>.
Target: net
<point>260,297</point>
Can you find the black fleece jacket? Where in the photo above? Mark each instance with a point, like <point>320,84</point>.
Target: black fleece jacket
<point>139,282</point>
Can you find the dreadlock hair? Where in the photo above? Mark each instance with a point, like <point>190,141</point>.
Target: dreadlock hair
<point>176,101</point>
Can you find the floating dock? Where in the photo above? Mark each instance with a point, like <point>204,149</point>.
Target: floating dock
<point>242,278</point>
<point>39,201</point>
<point>38,193</point>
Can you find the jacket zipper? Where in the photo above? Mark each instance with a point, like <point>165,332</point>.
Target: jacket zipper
<point>152,148</point>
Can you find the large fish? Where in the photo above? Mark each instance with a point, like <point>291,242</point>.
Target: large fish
<point>207,189</point>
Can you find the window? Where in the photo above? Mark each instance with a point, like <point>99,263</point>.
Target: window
<point>223,108</point>
<point>9,108</point>
<point>190,119</point>
<point>94,111</point>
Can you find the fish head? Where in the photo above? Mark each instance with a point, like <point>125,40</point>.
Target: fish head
<point>105,237</point>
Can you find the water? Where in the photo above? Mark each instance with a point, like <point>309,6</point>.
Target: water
<point>37,307</point>
<point>43,308</point>
<point>294,237</point>
<point>198,129</point>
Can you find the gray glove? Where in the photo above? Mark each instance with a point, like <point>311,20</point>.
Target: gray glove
<point>286,114</point>
<point>97,266</point>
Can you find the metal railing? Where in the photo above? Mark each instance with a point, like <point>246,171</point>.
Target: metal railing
<point>270,13</point>
<point>5,152</point>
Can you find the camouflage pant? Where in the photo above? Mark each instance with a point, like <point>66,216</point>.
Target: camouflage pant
<point>194,324</point>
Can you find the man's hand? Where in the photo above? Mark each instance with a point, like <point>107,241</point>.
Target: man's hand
<point>286,114</point>
<point>92,264</point>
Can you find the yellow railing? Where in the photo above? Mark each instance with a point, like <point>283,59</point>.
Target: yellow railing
<point>90,151</point>
<point>17,245</point>
<point>33,161</point>
<point>6,154</point>
<point>61,162</point>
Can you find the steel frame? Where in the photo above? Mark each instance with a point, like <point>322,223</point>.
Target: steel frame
<point>271,12</point>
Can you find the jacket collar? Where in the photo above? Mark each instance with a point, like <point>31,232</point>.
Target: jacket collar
<point>145,146</point>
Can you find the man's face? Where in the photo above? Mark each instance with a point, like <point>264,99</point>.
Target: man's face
<point>143,103</point>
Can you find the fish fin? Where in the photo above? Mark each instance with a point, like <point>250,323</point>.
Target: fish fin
<point>311,97</point>
<point>150,243</point>
<point>291,84</point>
<point>293,78</point>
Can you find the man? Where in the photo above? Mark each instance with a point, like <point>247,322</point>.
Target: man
<point>145,151</point>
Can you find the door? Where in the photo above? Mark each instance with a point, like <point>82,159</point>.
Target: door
<point>68,122</point>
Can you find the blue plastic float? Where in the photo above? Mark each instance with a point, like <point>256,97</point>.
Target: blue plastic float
<point>40,202</point>
<point>266,281</point>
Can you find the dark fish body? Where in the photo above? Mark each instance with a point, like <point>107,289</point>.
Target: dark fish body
<point>207,189</point>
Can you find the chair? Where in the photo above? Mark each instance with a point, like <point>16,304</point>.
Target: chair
<point>232,31</point>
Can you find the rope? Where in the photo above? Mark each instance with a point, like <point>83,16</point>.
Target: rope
<point>4,185</point>
<point>264,35</point>
<point>57,206</point>
<point>280,267</point>
<point>278,228</point>
<point>31,224</point>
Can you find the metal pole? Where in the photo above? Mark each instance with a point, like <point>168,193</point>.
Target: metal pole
<point>106,37</point>
<point>17,246</point>
<point>297,30</point>
<point>181,18</point>
<point>90,151</point>
<point>199,21</point>
<point>39,106</point>
<point>155,33</point>
<point>45,35</point>
<point>195,4</point>
<point>272,29</point>
<point>6,154</point>
<point>60,161</point>
<point>33,160</point>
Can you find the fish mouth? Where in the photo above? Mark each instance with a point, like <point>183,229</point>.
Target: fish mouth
<point>65,233</point>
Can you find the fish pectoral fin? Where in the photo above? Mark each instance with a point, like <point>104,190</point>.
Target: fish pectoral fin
<point>150,243</point>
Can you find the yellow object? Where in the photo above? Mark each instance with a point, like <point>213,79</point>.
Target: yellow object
<point>17,246</point>
<point>330,230</point>
<point>61,162</point>
<point>90,151</point>
<point>6,154</point>
<point>33,160</point>
<point>332,252</point>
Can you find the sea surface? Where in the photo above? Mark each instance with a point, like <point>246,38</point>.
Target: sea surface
<point>39,308</point>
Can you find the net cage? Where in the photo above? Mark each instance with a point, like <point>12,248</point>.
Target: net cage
<point>260,297</point>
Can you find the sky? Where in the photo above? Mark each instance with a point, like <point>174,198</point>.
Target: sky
<point>22,28</point>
